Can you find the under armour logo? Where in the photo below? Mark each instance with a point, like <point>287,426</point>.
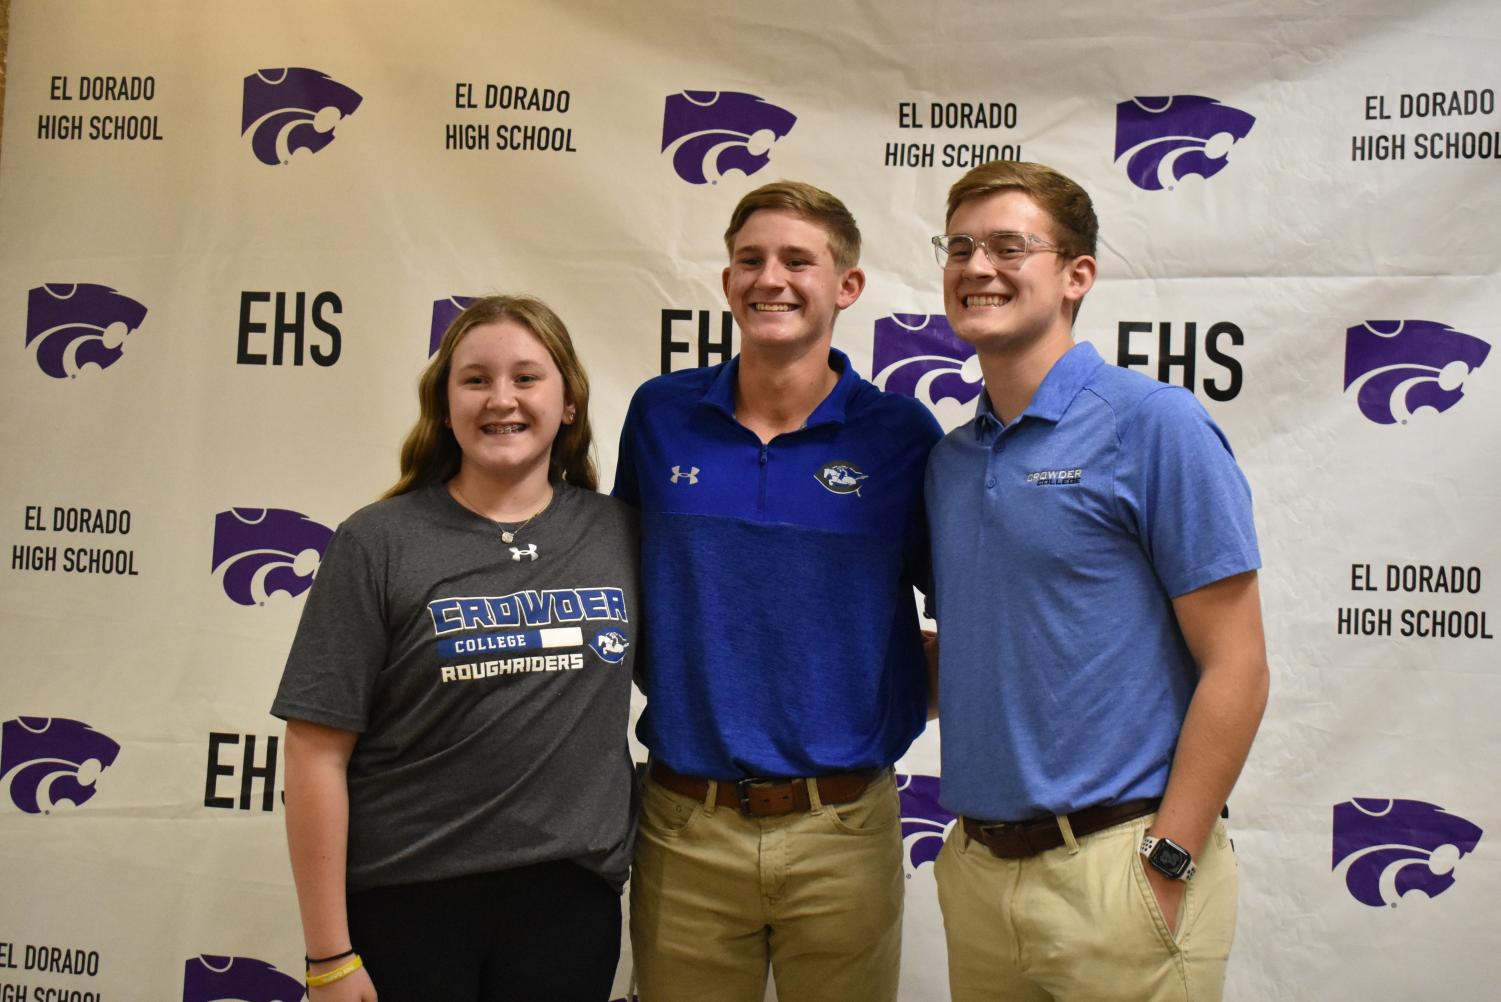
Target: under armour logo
<point>530,552</point>
<point>679,473</point>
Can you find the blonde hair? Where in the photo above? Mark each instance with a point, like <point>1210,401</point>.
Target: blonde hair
<point>813,204</point>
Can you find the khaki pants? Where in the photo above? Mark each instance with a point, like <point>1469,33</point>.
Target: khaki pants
<point>716,896</point>
<point>1081,924</point>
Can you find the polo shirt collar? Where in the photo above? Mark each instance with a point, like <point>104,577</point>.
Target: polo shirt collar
<point>1058,389</point>
<point>720,393</point>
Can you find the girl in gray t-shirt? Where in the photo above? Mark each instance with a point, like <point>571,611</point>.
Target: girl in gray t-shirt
<point>458,787</point>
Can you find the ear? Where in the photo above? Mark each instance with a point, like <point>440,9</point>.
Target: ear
<point>569,411</point>
<point>724,282</point>
<point>1078,277</point>
<point>851,284</point>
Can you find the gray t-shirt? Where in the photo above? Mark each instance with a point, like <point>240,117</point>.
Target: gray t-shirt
<point>489,683</point>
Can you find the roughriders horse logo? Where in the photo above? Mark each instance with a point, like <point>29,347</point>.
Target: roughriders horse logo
<point>261,551</point>
<point>925,824</point>
<point>919,355</point>
<point>1388,848</point>
<point>209,978</point>
<point>286,111</point>
<point>44,763</point>
<point>71,326</point>
<point>610,645</point>
<point>1399,367</point>
<point>711,133</point>
<point>1165,139</point>
<point>445,312</point>
<point>841,476</point>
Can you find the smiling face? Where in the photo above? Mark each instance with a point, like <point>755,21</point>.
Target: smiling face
<point>998,310</point>
<point>783,285</point>
<point>506,402</point>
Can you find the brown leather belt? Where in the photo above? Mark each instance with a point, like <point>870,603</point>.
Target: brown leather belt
<point>1021,839</point>
<point>768,797</point>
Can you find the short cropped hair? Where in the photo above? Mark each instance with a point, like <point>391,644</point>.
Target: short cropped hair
<point>813,204</point>
<point>1075,227</point>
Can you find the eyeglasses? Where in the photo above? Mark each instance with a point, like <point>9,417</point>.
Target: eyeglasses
<point>1006,249</point>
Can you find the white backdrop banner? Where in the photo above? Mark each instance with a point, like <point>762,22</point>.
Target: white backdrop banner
<point>230,231</point>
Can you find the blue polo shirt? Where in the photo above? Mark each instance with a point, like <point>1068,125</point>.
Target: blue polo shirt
<point>1059,543</point>
<point>780,631</point>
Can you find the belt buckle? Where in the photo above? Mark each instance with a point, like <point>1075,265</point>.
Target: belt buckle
<point>742,792</point>
<point>1000,828</point>
<point>1019,831</point>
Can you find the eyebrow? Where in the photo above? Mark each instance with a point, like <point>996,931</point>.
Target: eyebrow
<point>523,362</point>
<point>790,249</point>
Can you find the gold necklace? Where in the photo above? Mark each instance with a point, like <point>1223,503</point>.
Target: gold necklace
<point>506,535</point>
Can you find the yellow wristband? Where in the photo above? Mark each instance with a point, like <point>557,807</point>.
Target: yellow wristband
<point>342,971</point>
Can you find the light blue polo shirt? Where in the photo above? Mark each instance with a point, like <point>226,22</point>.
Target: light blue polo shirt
<point>780,632</point>
<point>1059,543</point>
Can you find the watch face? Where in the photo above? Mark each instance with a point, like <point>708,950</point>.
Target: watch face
<point>1168,858</point>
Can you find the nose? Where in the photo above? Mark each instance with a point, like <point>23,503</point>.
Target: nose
<point>979,264</point>
<point>771,275</point>
<point>502,395</point>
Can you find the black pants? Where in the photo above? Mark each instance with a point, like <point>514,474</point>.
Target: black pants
<point>543,933</point>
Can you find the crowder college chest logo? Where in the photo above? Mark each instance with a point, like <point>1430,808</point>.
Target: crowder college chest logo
<point>288,111</point>
<point>919,356</point>
<point>1398,367</point>
<point>925,823</point>
<point>610,645</point>
<point>840,476</point>
<point>1385,849</point>
<point>209,978</point>
<point>1165,139</point>
<point>527,631</point>
<point>709,134</point>
<point>71,326</point>
<point>45,763</point>
<point>261,551</point>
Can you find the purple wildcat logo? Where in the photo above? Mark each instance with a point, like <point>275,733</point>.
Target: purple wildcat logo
<point>711,133</point>
<point>1388,848</point>
<point>44,763</point>
<point>1398,367</point>
<point>444,313</point>
<point>925,824</point>
<point>920,356</point>
<point>71,326</point>
<point>261,551</point>
<point>289,110</point>
<point>209,978</point>
<point>1165,139</point>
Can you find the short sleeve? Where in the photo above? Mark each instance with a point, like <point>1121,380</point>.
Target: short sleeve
<point>1179,487</point>
<point>341,643</point>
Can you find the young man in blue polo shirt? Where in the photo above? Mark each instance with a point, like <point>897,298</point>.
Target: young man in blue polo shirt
<point>782,535</point>
<point>1102,668</point>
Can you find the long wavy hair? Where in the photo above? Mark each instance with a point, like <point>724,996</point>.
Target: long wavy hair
<point>430,454</point>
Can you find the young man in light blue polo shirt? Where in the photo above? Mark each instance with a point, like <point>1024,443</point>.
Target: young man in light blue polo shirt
<point>782,534</point>
<point>1102,668</point>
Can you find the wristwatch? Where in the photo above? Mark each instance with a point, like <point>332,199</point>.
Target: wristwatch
<point>1168,857</point>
